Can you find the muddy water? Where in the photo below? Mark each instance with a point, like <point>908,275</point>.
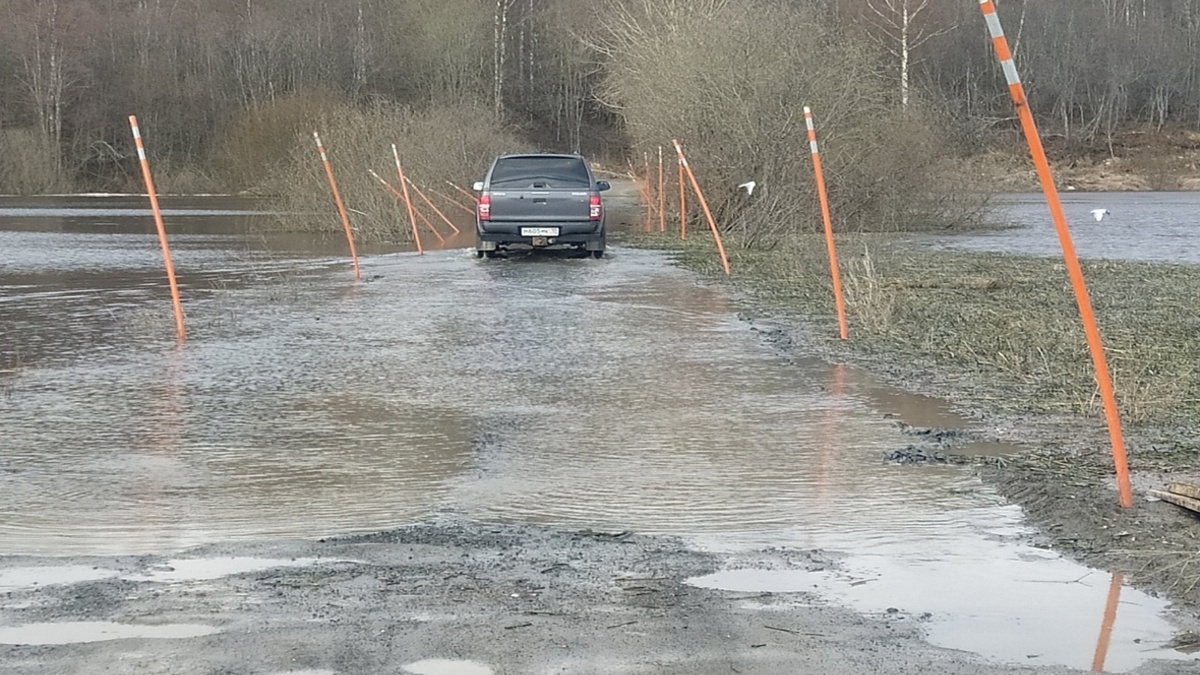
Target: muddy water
<point>613,394</point>
<point>1145,226</point>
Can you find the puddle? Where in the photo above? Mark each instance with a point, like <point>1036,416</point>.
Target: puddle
<point>96,631</point>
<point>1010,604</point>
<point>447,667</point>
<point>24,578</point>
<point>204,569</point>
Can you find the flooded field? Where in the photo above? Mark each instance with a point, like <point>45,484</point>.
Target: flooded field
<point>613,394</point>
<point>1145,226</point>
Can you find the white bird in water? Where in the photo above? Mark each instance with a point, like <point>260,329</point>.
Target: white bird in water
<point>748,187</point>
<point>1099,214</point>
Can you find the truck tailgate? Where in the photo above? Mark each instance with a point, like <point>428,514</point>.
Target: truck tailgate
<point>539,206</point>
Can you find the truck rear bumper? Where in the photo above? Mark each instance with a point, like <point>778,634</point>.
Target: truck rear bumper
<point>493,235</point>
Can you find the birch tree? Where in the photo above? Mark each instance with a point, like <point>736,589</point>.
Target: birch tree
<point>902,27</point>
<point>500,53</point>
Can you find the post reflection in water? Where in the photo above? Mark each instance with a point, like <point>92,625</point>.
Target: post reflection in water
<point>1106,626</point>
<point>161,439</point>
<point>830,431</point>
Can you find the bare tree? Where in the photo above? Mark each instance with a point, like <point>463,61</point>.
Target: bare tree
<point>902,27</point>
<point>500,53</point>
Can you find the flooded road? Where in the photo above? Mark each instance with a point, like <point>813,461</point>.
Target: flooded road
<point>1143,226</point>
<point>614,394</point>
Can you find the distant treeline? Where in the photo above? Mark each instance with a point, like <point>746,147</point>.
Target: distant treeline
<point>550,71</point>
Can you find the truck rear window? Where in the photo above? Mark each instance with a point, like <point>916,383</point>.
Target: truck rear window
<point>552,172</point>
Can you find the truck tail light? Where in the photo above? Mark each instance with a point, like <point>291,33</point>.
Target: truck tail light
<point>485,206</point>
<point>594,208</point>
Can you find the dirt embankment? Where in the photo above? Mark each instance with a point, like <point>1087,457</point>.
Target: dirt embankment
<point>1134,159</point>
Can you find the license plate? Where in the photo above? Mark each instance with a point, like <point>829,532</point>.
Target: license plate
<point>539,231</point>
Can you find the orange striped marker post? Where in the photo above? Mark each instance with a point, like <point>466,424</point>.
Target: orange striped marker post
<point>337,198</point>
<point>452,200</point>
<point>662,195</point>
<point>1095,344</point>
<point>468,195</point>
<point>158,223</point>
<point>435,209</point>
<point>833,261</point>
<point>645,193</point>
<point>1106,626</point>
<point>412,218</point>
<point>400,197</point>
<point>703,205</point>
<point>429,225</point>
<point>682,201</point>
<point>647,199</point>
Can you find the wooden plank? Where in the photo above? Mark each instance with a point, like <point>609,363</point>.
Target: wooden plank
<point>1185,489</point>
<point>1178,500</point>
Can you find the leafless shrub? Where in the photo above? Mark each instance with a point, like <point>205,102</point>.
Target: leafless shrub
<point>259,140</point>
<point>30,165</point>
<point>730,79</point>
<point>436,144</point>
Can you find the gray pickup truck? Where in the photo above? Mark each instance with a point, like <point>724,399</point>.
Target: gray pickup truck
<point>540,201</point>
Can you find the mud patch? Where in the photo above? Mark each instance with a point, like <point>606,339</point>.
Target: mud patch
<point>514,599</point>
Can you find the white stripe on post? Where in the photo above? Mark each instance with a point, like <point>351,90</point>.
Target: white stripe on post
<point>993,24</point>
<point>1010,72</point>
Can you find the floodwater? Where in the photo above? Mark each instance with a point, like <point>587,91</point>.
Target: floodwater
<point>614,394</point>
<point>1143,226</point>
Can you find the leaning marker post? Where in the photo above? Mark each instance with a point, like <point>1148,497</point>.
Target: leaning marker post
<point>407,201</point>
<point>703,205</point>
<point>158,223</point>
<point>400,197</point>
<point>337,198</point>
<point>682,201</point>
<point>662,195</point>
<point>431,205</point>
<point>1095,345</point>
<point>833,261</point>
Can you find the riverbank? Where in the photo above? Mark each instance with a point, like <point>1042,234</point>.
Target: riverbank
<point>999,336</point>
<point>1133,159</point>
